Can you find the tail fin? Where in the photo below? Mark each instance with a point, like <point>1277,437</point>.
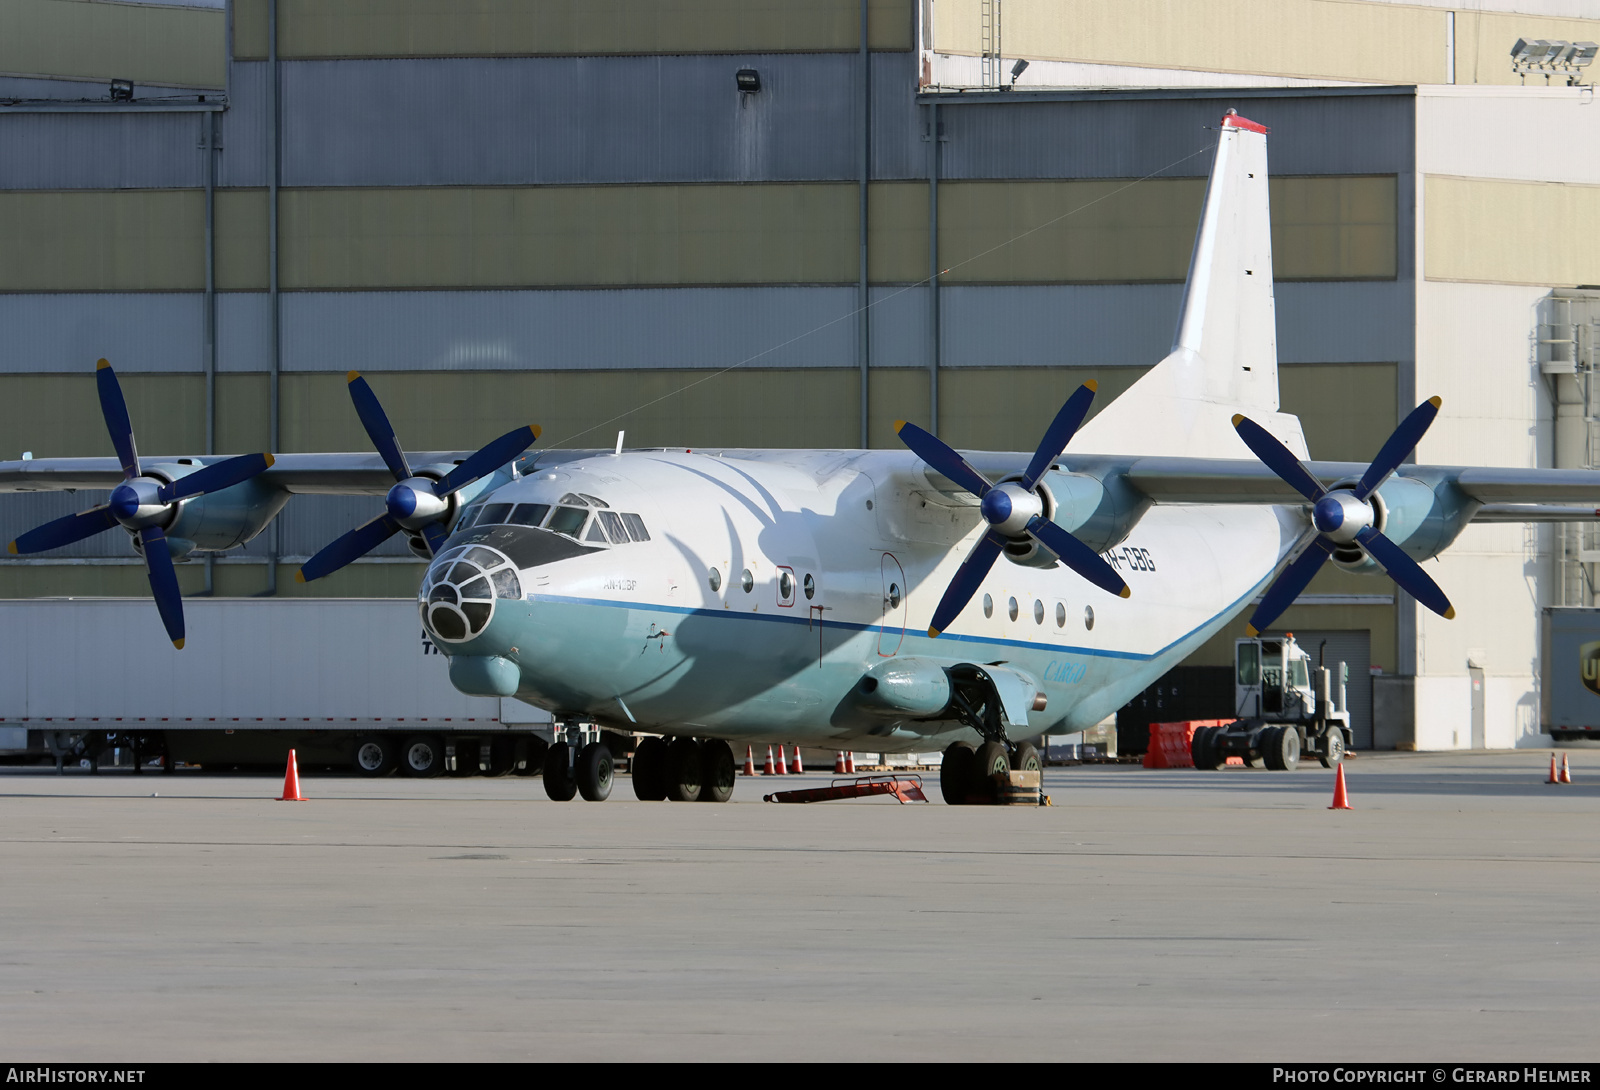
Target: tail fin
<point>1224,359</point>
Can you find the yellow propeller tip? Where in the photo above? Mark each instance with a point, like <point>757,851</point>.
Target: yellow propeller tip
<point>1450,614</point>
<point>1436,401</point>
<point>299,576</point>
<point>1252,631</point>
<point>933,633</point>
<point>12,548</point>
<point>270,460</point>
<point>351,376</point>
<point>1094,387</point>
<point>1125,592</point>
<point>178,644</point>
<point>101,365</point>
<point>898,424</point>
<point>1236,418</point>
<point>536,429</point>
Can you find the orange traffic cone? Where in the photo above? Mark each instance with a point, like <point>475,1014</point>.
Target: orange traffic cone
<point>838,763</point>
<point>783,763</point>
<point>1341,801</point>
<point>768,769</point>
<point>749,762</point>
<point>1566,770</point>
<point>291,782</point>
<point>850,762</point>
<point>1555,777</point>
<point>799,769</point>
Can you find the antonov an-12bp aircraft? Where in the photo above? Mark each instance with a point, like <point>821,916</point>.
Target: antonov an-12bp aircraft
<point>893,600</point>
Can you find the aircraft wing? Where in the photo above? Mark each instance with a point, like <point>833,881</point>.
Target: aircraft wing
<point>355,474</point>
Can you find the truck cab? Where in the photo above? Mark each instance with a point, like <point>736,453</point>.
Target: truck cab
<point>1286,708</point>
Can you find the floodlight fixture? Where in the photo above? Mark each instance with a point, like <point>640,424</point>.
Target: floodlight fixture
<point>1017,69</point>
<point>1583,54</point>
<point>748,81</point>
<point>1548,58</point>
<point>122,90</point>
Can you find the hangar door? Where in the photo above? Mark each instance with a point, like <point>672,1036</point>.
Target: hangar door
<point>1352,646</point>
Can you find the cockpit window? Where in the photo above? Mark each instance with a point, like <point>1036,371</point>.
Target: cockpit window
<point>494,512</point>
<point>573,499</point>
<point>614,528</point>
<point>468,517</point>
<point>636,528</point>
<point>595,533</point>
<point>594,501</point>
<point>529,514</point>
<point>567,520</point>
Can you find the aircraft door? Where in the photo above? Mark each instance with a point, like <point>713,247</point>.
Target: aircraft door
<point>892,629</point>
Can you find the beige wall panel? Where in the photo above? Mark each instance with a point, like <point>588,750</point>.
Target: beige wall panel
<point>102,240</point>
<point>244,415</point>
<point>1338,228</point>
<point>894,394</point>
<point>467,237</point>
<point>147,44</point>
<point>1385,43</point>
<point>1377,620</point>
<point>1346,411</point>
<point>242,239</point>
<point>431,28</point>
<point>58,416</point>
<point>897,229</point>
<point>1511,232</point>
<point>1484,41</point>
<point>1325,228</point>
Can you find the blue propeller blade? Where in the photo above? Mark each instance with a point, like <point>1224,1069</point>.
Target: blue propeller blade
<point>1060,433</point>
<point>1078,556</point>
<point>163,582</point>
<point>115,411</point>
<point>64,531</point>
<point>379,430</point>
<point>1406,571</point>
<point>490,458</point>
<point>351,546</point>
<point>969,577</point>
<point>216,477</point>
<point>1278,458</point>
<point>1398,448</point>
<point>435,536</point>
<point>1294,579</point>
<point>942,459</point>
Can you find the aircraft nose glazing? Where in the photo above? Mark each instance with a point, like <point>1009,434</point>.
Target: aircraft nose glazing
<point>460,591</point>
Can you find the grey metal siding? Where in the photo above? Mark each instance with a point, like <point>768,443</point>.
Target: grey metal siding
<point>101,150</point>
<point>158,331</point>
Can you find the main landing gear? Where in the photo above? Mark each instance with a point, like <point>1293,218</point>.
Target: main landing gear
<point>683,770</point>
<point>973,777</point>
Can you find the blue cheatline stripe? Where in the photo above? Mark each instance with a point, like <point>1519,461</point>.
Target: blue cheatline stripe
<point>986,641</point>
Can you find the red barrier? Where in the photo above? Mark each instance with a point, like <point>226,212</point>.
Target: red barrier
<point>1170,742</point>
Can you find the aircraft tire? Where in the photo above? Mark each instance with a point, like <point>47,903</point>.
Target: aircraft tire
<point>422,756</point>
<point>558,782</point>
<point>1026,759</point>
<point>1332,748</point>
<point>956,773</point>
<point>649,770</point>
<point>684,777</point>
<point>993,761</point>
<point>595,772</point>
<point>718,772</point>
<point>376,756</point>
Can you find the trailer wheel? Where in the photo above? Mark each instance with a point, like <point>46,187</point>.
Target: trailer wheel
<point>422,756</point>
<point>718,772</point>
<point>1332,748</point>
<point>533,762</point>
<point>558,781</point>
<point>1282,748</point>
<point>1203,748</point>
<point>376,757</point>
<point>956,772</point>
<point>594,772</point>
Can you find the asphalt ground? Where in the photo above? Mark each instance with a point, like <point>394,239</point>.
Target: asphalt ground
<point>1151,915</point>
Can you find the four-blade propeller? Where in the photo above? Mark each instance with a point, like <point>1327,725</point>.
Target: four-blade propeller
<point>418,504</point>
<point>142,505</point>
<point>1343,516</point>
<point>1013,509</point>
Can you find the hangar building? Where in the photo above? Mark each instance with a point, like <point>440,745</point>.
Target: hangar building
<point>573,212</point>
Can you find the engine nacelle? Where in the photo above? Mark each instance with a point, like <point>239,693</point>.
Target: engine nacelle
<point>1098,512</point>
<point>1423,518</point>
<point>903,688</point>
<point>220,520</point>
